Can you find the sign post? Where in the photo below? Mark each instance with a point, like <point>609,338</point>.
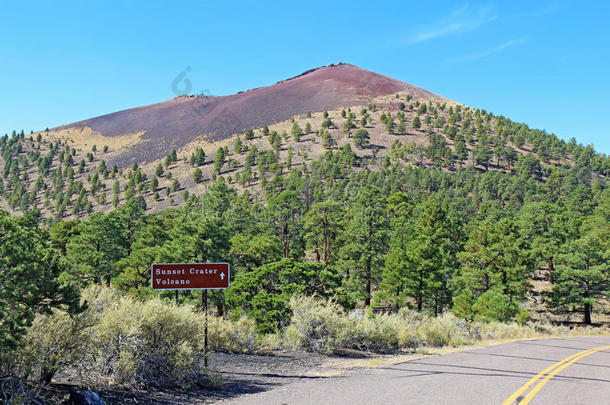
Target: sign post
<point>205,329</point>
<point>192,276</point>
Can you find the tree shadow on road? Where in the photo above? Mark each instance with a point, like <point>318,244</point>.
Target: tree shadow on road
<point>484,372</point>
<point>551,361</point>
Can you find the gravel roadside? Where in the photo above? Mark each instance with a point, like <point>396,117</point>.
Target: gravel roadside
<point>235,375</point>
<point>238,374</point>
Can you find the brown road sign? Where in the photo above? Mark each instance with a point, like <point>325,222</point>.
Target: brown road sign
<point>189,276</point>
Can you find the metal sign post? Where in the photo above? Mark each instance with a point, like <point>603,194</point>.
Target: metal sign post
<point>192,276</point>
<point>205,329</point>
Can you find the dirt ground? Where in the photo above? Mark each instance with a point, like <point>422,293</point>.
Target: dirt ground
<point>235,375</point>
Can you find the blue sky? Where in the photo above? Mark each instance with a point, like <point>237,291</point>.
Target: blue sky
<point>542,63</point>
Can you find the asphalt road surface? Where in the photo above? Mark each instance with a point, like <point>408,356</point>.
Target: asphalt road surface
<point>544,371</point>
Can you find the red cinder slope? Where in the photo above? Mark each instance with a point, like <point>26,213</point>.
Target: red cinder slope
<point>175,123</point>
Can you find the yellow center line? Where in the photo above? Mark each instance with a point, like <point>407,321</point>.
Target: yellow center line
<point>537,388</point>
<point>510,400</point>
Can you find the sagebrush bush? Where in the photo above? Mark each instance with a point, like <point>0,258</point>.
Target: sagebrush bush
<point>446,330</point>
<point>56,341</point>
<point>412,334</point>
<point>379,334</point>
<point>323,326</point>
<point>149,343</point>
<point>499,330</point>
<point>316,325</point>
<point>232,337</point>
<point>53,342</point>
<point>270,342</point>
<point>160,344</point>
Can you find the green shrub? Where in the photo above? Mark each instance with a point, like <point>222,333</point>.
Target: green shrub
<point>315,325</point>
<point>446,330</point>
<point>380,334</point>
<point>265,292</point>
<point>523,317</point>
<point>494,306</point>
<point>150,344</point>
<point>54,342</point>
<point>232,337</point>
<point>462,305</point>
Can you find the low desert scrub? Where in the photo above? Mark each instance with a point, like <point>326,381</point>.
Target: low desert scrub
<point>446,330</point>
<point>232,337</point>
<point>54,342</point>
<point>270,342</point>
<point>316,325</point>
<point>120,340</point>
<point>149,343</point>
<point>124,341</point>
<point>323,326</point>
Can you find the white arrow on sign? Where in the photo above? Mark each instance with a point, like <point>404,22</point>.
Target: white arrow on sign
<point>222,275</point>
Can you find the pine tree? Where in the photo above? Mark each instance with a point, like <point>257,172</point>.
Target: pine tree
<point>93,252</point>
<point>159,170</point>
<point>154,183</point>
<point>582,275</point>
<point>431,257</point>
<point>546,230</point>
<point>392,287</point>
<point>198,158</point>
<point>402,127</point>
<point>285,211</point>
<point>197,175</point>
<point>30,268</point>
<point>496,257</point>
<point>460,149</point>
<point>416,123</point>
<point>361,138</point>
<point>482,155</point>
<point>322,223</point>
<point>296,132</point>
<point>364,242</point>
<point>327,140</point>
<point>238,146</point>
<point>219,160</point>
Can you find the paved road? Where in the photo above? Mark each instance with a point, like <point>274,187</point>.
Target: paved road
<point>488,375</point>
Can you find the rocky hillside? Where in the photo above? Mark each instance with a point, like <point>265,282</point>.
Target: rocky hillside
<point>168,151</point>
<point>152,131</point>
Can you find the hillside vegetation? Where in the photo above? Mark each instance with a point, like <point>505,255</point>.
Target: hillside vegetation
<point>67,176</point>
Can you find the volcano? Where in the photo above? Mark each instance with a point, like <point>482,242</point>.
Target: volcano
<point>177,122</point>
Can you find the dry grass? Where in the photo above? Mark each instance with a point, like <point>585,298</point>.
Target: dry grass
<point>84,139</point>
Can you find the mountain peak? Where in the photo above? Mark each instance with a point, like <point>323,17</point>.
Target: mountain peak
<point>332,65</point>
<point>177,122</point>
